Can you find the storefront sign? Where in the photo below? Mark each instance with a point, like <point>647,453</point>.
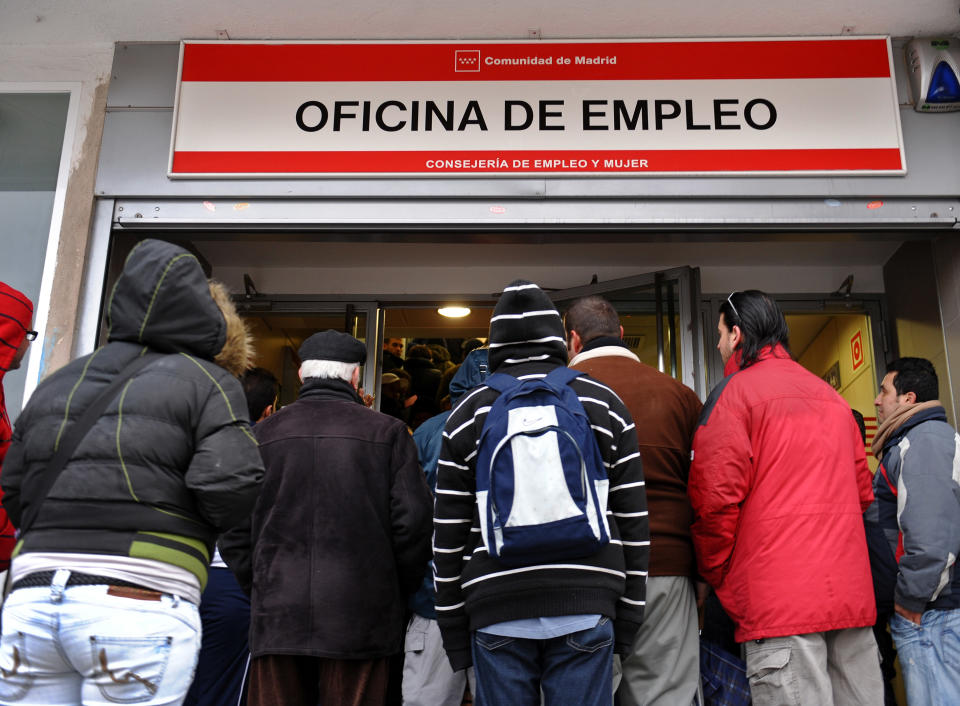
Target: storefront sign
<point>714,107</point>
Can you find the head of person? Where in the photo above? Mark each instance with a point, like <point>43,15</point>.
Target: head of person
<point>861,424</point>
<point>908,381</point>
<point>163,299</point>
<point>525,328</point>
<point>16,319</point>
<point>260,387</point>
<point>420,351</point>
<point>470,344</point>
<point>395,397</point>
<point>332,355</point>
<point>440,355</point>
<point>750,321</point>
<point>393,345</point>
<point>589,318</point>
<point>470,374</point>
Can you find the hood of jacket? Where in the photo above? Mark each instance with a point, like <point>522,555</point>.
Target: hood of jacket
<point>525,328</point>
<point>163,300</point>
<point>471,373</point>
<point>16,314</point>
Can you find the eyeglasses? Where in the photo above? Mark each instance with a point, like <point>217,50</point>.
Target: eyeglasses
<point>31,335</point>
<point>732,305</point>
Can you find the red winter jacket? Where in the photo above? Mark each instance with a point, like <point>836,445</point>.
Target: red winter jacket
<point>16,314</point>
<point>778,483</point>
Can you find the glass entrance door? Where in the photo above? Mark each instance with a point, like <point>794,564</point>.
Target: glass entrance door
<point>280,325</point>
<point>658,314</point>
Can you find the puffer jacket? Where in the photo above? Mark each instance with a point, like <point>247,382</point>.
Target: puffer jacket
<point>172,461</point>
<point>16,313</point>
<point>778,483</point>
<point>917,514</point>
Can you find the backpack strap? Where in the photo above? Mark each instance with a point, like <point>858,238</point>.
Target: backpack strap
<point>75,434</point>
<point>501,382</point>
<point>560,377</point>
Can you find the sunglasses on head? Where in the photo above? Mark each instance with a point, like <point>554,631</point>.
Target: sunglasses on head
<point>732,305</point>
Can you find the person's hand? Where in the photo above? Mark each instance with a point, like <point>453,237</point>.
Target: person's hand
<point>703,590</point>
<point>916,618</point>
<point>367,399</point>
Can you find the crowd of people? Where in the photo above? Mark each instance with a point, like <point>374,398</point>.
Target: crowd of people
<point>549,521</point>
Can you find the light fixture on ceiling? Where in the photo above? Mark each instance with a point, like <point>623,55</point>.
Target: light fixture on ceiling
<point>453,312</point>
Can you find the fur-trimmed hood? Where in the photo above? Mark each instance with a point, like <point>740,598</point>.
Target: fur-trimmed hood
<point>237,353</point>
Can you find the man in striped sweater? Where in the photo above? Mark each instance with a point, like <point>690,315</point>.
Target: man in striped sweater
<point>552,626</point>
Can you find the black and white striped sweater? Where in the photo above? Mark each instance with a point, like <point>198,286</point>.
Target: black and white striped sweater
<point>474,590</point>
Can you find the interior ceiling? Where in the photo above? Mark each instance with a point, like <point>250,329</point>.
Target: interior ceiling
<point>85,21</point>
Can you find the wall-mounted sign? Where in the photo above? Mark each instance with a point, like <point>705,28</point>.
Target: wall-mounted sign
<point>832,376</point>
<point>856,350</point>
<point>683,107</point>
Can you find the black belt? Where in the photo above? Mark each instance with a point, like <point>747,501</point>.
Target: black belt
<point>44,578</point>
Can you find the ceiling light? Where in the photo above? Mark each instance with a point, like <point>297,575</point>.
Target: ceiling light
<point>453,312</point>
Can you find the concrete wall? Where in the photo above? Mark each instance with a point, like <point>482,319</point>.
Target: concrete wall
<point>86,66</point>
<point>946,253</point>
<point>915,309</point>
<point>833,346</point>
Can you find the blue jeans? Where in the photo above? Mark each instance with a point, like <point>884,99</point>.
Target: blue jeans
<point>80,645</point>
<point>930,657</point>
<point>224,651</point>
<point>571,669</point>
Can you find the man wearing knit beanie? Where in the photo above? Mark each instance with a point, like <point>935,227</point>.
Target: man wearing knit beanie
<point>16,315</point>
<point>553,625</point>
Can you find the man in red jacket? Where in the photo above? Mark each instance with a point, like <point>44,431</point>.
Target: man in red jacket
<point>16,315</point>
<point>778,483</point>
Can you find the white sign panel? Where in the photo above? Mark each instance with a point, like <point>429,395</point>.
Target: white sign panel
<point>723,107</point>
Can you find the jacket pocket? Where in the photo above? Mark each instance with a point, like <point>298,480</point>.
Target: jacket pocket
<point>416,637</point>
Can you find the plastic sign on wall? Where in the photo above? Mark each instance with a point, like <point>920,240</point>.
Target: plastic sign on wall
<point>856,350</point>
<point>550,108</point>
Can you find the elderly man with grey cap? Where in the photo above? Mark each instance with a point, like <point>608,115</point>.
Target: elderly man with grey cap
<point>340,537</point>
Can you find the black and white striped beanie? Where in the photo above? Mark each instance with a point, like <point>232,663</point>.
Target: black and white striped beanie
<point>526,327</point>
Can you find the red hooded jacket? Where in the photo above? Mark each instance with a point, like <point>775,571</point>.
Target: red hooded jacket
<point>16,314</point>
<point>778,483</point>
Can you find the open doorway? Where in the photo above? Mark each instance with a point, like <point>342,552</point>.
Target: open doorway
<point>422,347</point>
<point>839,349</point>
<point>841,340</point>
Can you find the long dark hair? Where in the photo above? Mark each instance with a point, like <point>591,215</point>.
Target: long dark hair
<point>761,323</point>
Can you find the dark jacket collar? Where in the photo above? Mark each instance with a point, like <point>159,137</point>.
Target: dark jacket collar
<point>936,414</point>
<point>328,389</point>
<point>601,341</point>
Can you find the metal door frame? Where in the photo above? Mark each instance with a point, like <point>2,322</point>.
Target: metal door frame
<point>873,306</point>
<point>687,280</point>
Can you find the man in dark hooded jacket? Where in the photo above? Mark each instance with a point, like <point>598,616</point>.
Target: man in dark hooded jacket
<point>16,315</point>
<point>107,578</point>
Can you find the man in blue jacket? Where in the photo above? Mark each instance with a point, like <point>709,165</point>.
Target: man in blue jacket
<point>918,509</point>
<point>428,679</point>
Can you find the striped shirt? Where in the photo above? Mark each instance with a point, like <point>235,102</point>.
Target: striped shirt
<point>474,590</point>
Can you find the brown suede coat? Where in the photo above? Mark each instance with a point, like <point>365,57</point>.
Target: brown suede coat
<point>665,412</point>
